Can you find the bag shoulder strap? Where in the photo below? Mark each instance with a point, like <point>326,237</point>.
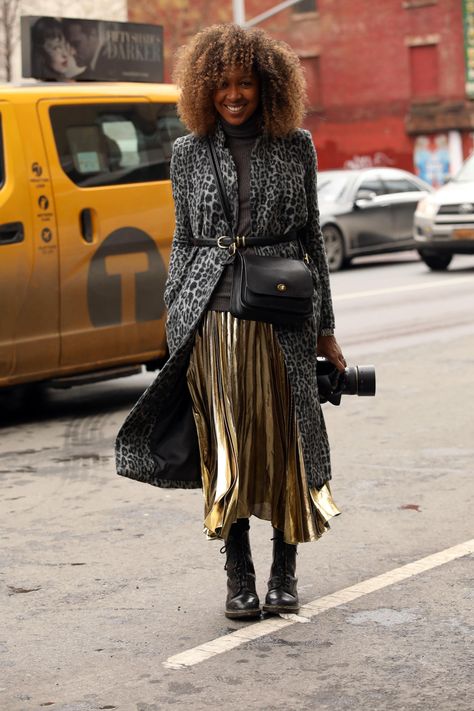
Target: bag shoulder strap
<point>211,149</point>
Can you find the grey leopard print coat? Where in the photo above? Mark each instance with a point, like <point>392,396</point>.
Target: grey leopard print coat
<point>283,198</point>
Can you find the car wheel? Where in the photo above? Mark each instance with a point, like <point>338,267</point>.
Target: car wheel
<point>334,244</point>
<point>436,262</point>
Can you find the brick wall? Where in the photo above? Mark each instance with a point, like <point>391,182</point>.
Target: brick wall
<point>363,61</point>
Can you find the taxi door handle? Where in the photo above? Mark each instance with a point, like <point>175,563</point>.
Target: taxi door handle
<point>87,228</point>
<point>11,232</point>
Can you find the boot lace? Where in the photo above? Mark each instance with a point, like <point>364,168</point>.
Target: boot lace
<point>281,577</point>
<point>239,569</point>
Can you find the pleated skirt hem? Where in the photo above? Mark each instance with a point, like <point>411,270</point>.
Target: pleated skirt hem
<point>251,453</point>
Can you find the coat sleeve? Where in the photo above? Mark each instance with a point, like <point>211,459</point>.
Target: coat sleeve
<point>181,249</point>
<point>315,240</point>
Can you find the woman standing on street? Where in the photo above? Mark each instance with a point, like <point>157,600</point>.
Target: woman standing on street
<point>261,434</point>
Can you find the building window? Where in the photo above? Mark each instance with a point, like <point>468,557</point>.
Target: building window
<point>312,70</point>
<point>305,6</point>
<point>424,71</point>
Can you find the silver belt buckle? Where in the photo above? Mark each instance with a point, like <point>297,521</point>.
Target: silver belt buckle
<point>231,247</point>
<point>219,243</point>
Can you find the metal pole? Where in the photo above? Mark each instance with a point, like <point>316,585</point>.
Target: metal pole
<point>238,10</point>
<point>269,13</point>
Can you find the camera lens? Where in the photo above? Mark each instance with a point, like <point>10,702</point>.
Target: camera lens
<point>359,380</point>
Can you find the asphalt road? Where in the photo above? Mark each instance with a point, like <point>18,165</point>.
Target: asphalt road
<point>105,581</point>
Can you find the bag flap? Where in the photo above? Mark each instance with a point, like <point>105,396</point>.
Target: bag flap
<point>276,276</point>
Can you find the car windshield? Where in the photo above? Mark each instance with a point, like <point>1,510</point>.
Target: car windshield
<point>331,185</point>
<point>466,174</point>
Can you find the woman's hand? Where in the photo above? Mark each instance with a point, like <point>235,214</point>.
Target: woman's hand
<point>329,348</point>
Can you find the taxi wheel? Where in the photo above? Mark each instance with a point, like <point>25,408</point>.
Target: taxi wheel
<point>436,262</point>
<point>335,250</point>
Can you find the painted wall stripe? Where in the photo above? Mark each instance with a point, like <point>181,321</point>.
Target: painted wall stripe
<point>235,639</point>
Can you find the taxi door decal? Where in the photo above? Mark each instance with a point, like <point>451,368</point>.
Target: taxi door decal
<point>126,279</point>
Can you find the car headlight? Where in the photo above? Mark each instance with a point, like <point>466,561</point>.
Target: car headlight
<point>427,208</point>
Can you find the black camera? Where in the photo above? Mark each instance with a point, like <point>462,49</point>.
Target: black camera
<point>354,380</point>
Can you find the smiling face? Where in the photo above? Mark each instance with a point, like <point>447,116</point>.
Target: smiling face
<point>237,95</point>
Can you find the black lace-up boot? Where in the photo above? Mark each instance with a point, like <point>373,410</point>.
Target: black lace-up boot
<point>242,599</point>
<point>282,594</point>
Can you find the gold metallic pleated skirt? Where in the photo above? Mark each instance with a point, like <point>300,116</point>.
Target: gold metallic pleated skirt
<point>251,455</point>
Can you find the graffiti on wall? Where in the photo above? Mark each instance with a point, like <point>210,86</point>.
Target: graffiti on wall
<point>368,161</point>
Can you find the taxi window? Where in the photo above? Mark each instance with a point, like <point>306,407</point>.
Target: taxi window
<point>115,144</point>
<point>2,163</point>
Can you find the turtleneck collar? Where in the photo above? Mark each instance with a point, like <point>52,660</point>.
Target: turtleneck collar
<point>250,129</point>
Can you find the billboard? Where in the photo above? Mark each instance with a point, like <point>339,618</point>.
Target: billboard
<point>66,49</point>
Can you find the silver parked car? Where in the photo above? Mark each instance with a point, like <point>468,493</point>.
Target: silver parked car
<point>367,211</point>
<point>444,221</point>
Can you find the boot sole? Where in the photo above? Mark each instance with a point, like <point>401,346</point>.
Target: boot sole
<point>244,614</point>
<point>278,609</point>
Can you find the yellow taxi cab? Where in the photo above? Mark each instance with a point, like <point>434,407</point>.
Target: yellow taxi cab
<point>86,223</point>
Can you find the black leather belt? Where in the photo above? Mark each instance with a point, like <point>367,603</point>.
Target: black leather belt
<point>233,243</point>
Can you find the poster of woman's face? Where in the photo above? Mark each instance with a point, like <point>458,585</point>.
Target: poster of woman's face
<point>67,48</point>
<point>53,57</point>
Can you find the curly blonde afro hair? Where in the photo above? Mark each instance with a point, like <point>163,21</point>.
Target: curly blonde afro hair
<point>213,51</point>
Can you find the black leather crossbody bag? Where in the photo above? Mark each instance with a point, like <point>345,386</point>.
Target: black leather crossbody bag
<point>265,288</point>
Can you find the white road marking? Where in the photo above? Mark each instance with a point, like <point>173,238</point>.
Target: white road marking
<point>399,289</point>
<point>273,624</point>
<point>293,617</point>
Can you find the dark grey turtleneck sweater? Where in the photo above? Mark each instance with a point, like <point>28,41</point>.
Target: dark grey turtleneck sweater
<point>240,140</point>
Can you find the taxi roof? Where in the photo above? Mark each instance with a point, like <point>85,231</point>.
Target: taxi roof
<point>27,92</point>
